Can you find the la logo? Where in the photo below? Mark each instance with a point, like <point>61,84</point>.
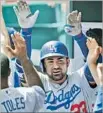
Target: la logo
<point>52,48</point>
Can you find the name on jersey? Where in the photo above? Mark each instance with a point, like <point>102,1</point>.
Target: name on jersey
<point>64,99</point>
<point>13,105</point>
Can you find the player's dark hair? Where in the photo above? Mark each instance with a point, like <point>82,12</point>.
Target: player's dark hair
<point>95,33</point>
<point>4,62</point>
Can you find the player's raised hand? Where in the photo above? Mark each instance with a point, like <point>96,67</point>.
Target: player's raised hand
<point>24,15</point>
<point>73,26</point>
<point>5,39</point>
<point>94,51</point>
<point>20,47</point>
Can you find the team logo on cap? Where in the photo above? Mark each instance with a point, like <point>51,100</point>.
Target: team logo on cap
<point>52,48</point>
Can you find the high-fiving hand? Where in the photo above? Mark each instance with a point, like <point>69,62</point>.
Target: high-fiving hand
<point>94,50</point>
<point>20,51</point>
<point>73,26</point>
<point>24,15</point>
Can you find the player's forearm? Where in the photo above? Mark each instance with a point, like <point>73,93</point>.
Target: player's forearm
<point>31,73</point>
<point>87,73</point>
<point>93,70</point>
<point>81,41</point>
<point>27,34</point>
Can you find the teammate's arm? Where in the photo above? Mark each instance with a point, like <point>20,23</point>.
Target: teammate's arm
<point>5,36</point>
<point>94,52</point>
<point>74,29</point>
<point>97,72</point>
<point>20,52</point>
<point>26,21</point>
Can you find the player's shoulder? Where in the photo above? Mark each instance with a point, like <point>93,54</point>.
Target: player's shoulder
<point>76,73</point>
<point>32,89</point>
<point>11,91</point>
<point>75,77</point>
<point>24,89</point>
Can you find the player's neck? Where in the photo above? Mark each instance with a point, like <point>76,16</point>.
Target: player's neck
<point>4,83</point>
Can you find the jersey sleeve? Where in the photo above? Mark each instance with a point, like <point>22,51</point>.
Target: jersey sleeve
<point>39,97</point>
<point>81,41</point>
<point>27,33</point>
<point>98,107</point>
<point>87,73</point>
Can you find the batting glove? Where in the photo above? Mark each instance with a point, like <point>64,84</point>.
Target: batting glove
<point>73,26</point>
<point>24,16</point>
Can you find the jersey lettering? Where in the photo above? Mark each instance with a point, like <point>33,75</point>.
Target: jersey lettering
<point>63,99</point>
<point>16,104</point>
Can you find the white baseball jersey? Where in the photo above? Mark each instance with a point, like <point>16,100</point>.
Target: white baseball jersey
<point>94,96</point>
<point>21,99</point>
<point>74,95</point>
<point>11,77</point>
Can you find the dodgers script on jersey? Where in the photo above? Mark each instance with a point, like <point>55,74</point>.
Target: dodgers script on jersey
<point>74,95</point>
<point>21,99</point>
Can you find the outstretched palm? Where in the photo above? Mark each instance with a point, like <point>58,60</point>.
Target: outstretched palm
<point>20,47</point>
<point>74,23</point>
<point>24,15</point>
<point>94,50</point>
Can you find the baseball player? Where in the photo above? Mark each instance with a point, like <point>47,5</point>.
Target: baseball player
<point>96,69</point>
<point>18,99</point>
<point>74,29</point>
<point>63,93</point>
